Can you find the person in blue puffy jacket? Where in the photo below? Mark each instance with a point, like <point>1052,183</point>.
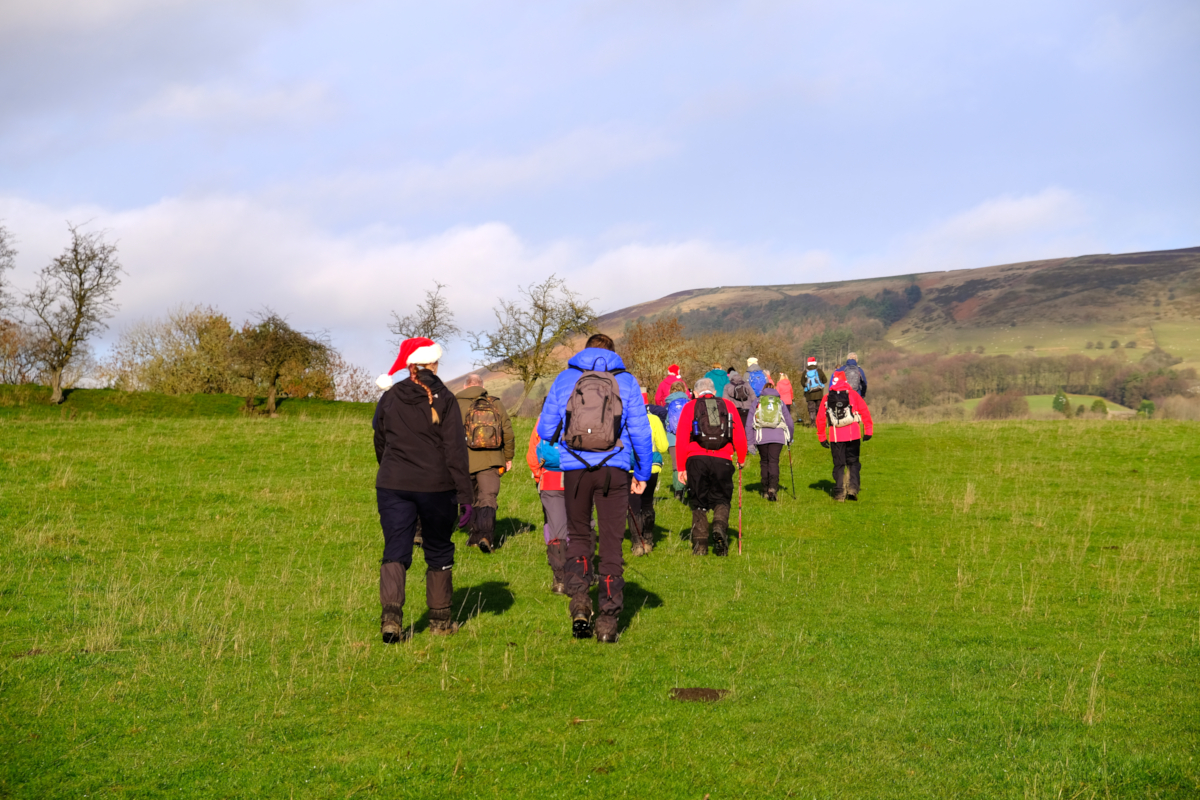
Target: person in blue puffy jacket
<point>599,480</point>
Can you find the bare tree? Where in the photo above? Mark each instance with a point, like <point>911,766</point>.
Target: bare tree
<point>433,319</point>
<point>18,352</point>
<point>266,351</point>
<point>528,329</point>
<point>8,255</point>
<point>73,298</point>
<point>649,348</point>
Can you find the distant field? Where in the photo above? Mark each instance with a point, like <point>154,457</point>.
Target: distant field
<point>189,608</point>
<point>1180,338</point>
<point>1039,403</point>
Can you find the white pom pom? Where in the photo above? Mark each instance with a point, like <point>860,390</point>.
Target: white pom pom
<point>384,381</point>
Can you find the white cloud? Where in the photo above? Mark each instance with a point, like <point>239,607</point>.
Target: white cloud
<point>40,16</point>
<point>581,155</point>
<point>1004,229</point>
<point>228,103</point>
<point>239,255</point>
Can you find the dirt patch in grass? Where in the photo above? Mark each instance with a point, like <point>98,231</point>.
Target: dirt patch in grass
<point>698,695</point>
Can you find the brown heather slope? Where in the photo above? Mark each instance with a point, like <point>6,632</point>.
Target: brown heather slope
<point>1053,306</point>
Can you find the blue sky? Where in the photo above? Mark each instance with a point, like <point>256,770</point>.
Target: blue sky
<point>332,159</point>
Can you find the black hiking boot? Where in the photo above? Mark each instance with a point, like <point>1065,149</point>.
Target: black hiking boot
<point>391,626</point>
<point>699,532</point>
<point>581,628</point>
<point>606,629</point>
<point>773,495</point>
<point>720,531</point>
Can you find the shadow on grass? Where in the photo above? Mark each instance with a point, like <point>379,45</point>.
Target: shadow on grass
<point>823,485</point>
<point>490,597</point>
<point>636,599</point>
<point>509,527</point>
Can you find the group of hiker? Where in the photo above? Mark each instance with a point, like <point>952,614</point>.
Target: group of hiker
<point>596,452</point>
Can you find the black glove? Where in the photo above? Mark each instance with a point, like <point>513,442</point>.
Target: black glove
<point>867,438</point>
<point>825,445</point>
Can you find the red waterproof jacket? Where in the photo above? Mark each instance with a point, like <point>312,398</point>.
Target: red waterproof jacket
<point>664,388</point>
<point>846,433</point>
<point>686,448</point>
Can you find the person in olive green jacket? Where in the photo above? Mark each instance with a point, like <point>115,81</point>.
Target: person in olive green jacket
<point>490,449</point>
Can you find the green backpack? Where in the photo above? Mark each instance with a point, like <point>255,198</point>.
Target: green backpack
<point>769,413</point>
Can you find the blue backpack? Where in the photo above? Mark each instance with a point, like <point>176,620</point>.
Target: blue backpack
<point>674,409</point>
<point>757,380</point>
<point>548,455</point>
<point>812,381</point>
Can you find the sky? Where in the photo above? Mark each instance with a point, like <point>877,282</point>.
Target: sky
<point>332,160</point>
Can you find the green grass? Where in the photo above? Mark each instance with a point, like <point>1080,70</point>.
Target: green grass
<point>1044,403</point>
<point>1181,338</point>
<point>190,609</point>
<point>31,402</point>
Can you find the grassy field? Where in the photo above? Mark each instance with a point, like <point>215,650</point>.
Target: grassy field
<point>1044,404</point>
<point>190,609</point>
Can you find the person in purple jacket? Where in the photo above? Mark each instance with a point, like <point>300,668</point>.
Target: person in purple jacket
<point>769,427</point>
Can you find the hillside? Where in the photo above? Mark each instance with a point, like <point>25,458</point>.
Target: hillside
<point>1055,306</point>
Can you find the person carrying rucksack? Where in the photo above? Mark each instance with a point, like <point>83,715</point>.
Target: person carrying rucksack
<point>843,424</point>
<point>542,458</point>
<point>769,427</point>
<point>676,400</point>
<point>641,506</point>
<point>490,441</point>
<point>755,376</point>
<point>421,449</point>
<point>741,393</point>
<point>814,389</point>
<point>784,385</point>
<point>855,376</point>
<point>664,386</point>
<point>596,417</point>
<point>706,442</point>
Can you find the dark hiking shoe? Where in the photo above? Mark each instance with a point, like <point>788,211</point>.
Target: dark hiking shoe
<point>440,623</point>
<point>853,497</point>
<point>772,495</point>
<point>485,545</point>
<point>391,626</point>
<point>581,627</point>
<point>606,629</point>
<point>720,543</point>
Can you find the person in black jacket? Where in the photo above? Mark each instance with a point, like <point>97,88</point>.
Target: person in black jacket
<point>421,448</point>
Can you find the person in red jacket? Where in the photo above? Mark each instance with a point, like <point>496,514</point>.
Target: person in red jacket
<point>709,434</point>
<point>843,424</point>
<point>664,387</point>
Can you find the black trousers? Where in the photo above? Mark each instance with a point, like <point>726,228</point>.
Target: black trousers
<point>607,490</point>
<point>645,500</point>
<point>710,481</point>
<point>399,511</point>
<point>768,464</point>
<point>845,454</point>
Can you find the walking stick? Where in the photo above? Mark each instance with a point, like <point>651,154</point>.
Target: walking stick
<point>739,472</point>
<point>791,471</point>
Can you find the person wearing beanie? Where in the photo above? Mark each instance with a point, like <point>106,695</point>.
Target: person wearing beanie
<point>490,442</point>
<point>843,424</point>
<point>582,404</point>
<point>814,389</point>
<point>709,436</point>
<point>676,400</point>
<point>755,375</point>
<point>664,387</point>
<point>855,376</point>
<point>421,449</point>
<point>739,390</point>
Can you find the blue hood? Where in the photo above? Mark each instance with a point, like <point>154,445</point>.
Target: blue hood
<point>597,358</point>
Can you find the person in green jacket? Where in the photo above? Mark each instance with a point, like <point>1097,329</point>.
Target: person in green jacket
<point>490,447</point>
<point>719,376</point>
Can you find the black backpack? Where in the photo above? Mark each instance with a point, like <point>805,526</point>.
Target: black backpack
<point>741,390</point>
<point>711,426</point>
<point>838,411</point>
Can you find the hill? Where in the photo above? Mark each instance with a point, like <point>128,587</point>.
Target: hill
<point>1051,307</point>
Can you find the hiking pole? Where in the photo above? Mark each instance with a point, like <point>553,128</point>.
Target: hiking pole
<point>739,472</point>
<point>791,471</point>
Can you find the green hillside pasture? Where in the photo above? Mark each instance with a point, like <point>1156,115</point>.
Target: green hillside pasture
<point>1044,404</point>
<point>1181,338</point>
<point>30,402</point>
<point>1012,610</point>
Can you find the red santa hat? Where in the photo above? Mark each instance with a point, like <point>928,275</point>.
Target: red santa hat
<point>673,371</point>
<point>418,350</point>
<point>838,382</point>
<point>812,361</point>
